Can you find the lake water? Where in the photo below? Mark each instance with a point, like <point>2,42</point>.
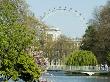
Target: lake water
<point>78,79</point>
<point>61,77</point>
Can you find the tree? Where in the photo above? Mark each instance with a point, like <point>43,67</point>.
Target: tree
<point>88,41</point>
<point>64,46</point>
<point>49,48</point>
<point>59,48</point>
<point>108,58</point>
<point>56,50</point>
<point>81,58</point>
<point>14,41</point>
<point>16,38</point>
<point>97,38</point>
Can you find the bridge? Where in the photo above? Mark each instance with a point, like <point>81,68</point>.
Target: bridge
<point>90,70</point>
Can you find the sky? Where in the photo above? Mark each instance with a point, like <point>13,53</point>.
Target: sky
<point>70,23</point>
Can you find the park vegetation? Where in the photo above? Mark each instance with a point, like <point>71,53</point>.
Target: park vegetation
<point>81,58</point>
<point>22,37</point>
<point>58,49</point>
<point>19,33</point>
<point>97,35</point>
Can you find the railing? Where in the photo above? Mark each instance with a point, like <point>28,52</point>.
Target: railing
<point>56,67</point>
<point>77,68</point>
<point>82,68</point>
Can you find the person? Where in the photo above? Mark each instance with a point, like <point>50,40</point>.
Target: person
<point>106,67</point>
<point>102,67</point>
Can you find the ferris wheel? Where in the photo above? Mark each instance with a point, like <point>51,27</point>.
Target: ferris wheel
<point>70,10</point>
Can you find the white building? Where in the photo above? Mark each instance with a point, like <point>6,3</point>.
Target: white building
<point>53,32</point>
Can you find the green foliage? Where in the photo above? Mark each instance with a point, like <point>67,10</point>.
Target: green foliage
<point>16,37</point>
<point>13,11</point>
<point>97,35</point>
<point>14,41</point>
<point>88,42</point>
<point>108,58</point>
<point>81,58</point>
<point>26,66</point>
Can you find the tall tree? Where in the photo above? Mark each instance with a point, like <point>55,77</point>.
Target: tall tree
<point>56,50</point>
<point>49,47</point>
<point>16,38</point>
<point>97,38</point>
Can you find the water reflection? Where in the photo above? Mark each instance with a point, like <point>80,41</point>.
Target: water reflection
<point>78,79</point>
<point>62,77</point>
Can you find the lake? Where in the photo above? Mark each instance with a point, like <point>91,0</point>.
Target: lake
<point>62,77</point>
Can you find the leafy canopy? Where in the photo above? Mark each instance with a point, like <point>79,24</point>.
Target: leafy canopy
<point>97,35</point>
<point>15,38</point>
<point>81,58</point>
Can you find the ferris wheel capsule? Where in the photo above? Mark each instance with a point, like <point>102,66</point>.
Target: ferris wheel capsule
<point>59,6</point>
<point>76,11</point>
<point>70,8</point>
<point>80,14</point>
<point>65,7</point>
